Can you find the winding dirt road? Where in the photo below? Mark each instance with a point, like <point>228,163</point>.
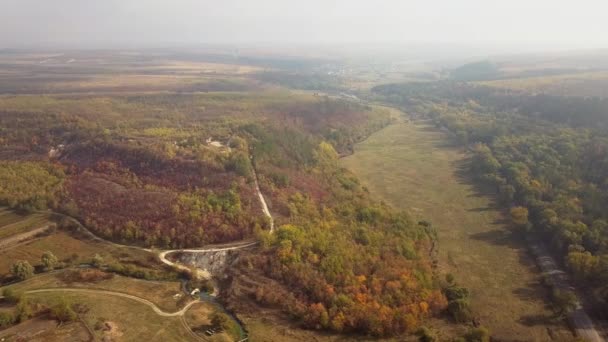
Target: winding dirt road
<point>156,309</point>
<point>214,249</point>
<point>208,249</point>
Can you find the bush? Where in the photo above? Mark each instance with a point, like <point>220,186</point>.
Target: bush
<point>220,320</point>
<point>22,270</point>
<point>239,163</point>
<point>11,295</point>
<point>454,292</point>
<point>63,311</point>
<point>24,310</point>
<point>460,310</point>
<point>426,335</point>
<point>97,261</point>
<point>85,276</point>
<point>480,334</point>
<point>279,179</point>
<point>49,260</point>
<point>6,319</point>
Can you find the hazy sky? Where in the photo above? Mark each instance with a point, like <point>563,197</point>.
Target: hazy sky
<point>569,24</point>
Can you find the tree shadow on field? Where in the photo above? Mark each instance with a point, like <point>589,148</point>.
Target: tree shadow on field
<point>538,319</point>
<point>501,221</point>
<point>499,237</point>
<point>463,175</point>
<point>450,143</point>
<point>529,293</point>
<point>482,209</point>
<point>536,292</point>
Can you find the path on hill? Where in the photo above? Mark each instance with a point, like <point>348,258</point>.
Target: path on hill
<point>180,313</point>
<point>224,248</point>
<point>16,239</point>
<point>162,254</point>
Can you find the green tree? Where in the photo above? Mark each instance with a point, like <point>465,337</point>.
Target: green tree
<point>220,320</point>
<point>49,260</point>
<point>519,216</point>
<point>63,311</point>
<point>97,260</point>
<point>11,295</point>
<point>239,163</point>
<point>326,156</point>
<point>24,310</point>
<point>565,302</point>
<point>479,334</point>
<point>460,310</point>
<point>22,270</point>
<point>426,335</point>
<point>6,319</point>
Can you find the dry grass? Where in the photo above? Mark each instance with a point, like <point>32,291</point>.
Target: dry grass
<point>11,223</point>
<point>69,248</point>
<point>269,326</point>
<point>204,68</point>
<point>130,320</point>
<point>412,167</point>
<point>198,319</point>
<point>577,84</point>
<point>45,330</point>
<point>61,244</point>
<point>161,293</point>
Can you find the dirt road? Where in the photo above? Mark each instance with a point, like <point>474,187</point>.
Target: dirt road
<point>156,309</point>
<point>16,239</point>
<point>579,319</point>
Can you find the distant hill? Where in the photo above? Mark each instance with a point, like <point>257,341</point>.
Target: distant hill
<point>476,71</point>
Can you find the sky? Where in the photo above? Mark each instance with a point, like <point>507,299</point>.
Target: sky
<point>156,23</point>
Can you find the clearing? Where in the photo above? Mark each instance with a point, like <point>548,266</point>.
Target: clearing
<point>116,318</point>
<point>413,166</point>
<point>160,293</point>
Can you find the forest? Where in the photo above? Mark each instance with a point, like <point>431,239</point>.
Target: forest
<point>142,170</point>
<point>344,262</point>
<point>545,157</point>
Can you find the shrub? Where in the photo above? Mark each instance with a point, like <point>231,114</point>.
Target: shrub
<point>63,311</point>
<point>220,320</point>
<point>479,334</point>
<point>6,319</point>
<point>49,260</point>
<point>22,270</point>
<point>239,163</point>
<point>24,310</point>
<point>97,260</point>
<point>85,276</point>
<point>426,335</point>
<point>460,310</point>
<point>11,295</point>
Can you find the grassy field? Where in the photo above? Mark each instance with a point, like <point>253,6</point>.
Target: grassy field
<point>575,84</point>
<point>12,223</point>
<point>161,293</point>
<point>413,167</point>
<point>46,330</point>
<point>75,250</point>
<point>198,319</point>
<point>129,320</point>
<point>267,327</point>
